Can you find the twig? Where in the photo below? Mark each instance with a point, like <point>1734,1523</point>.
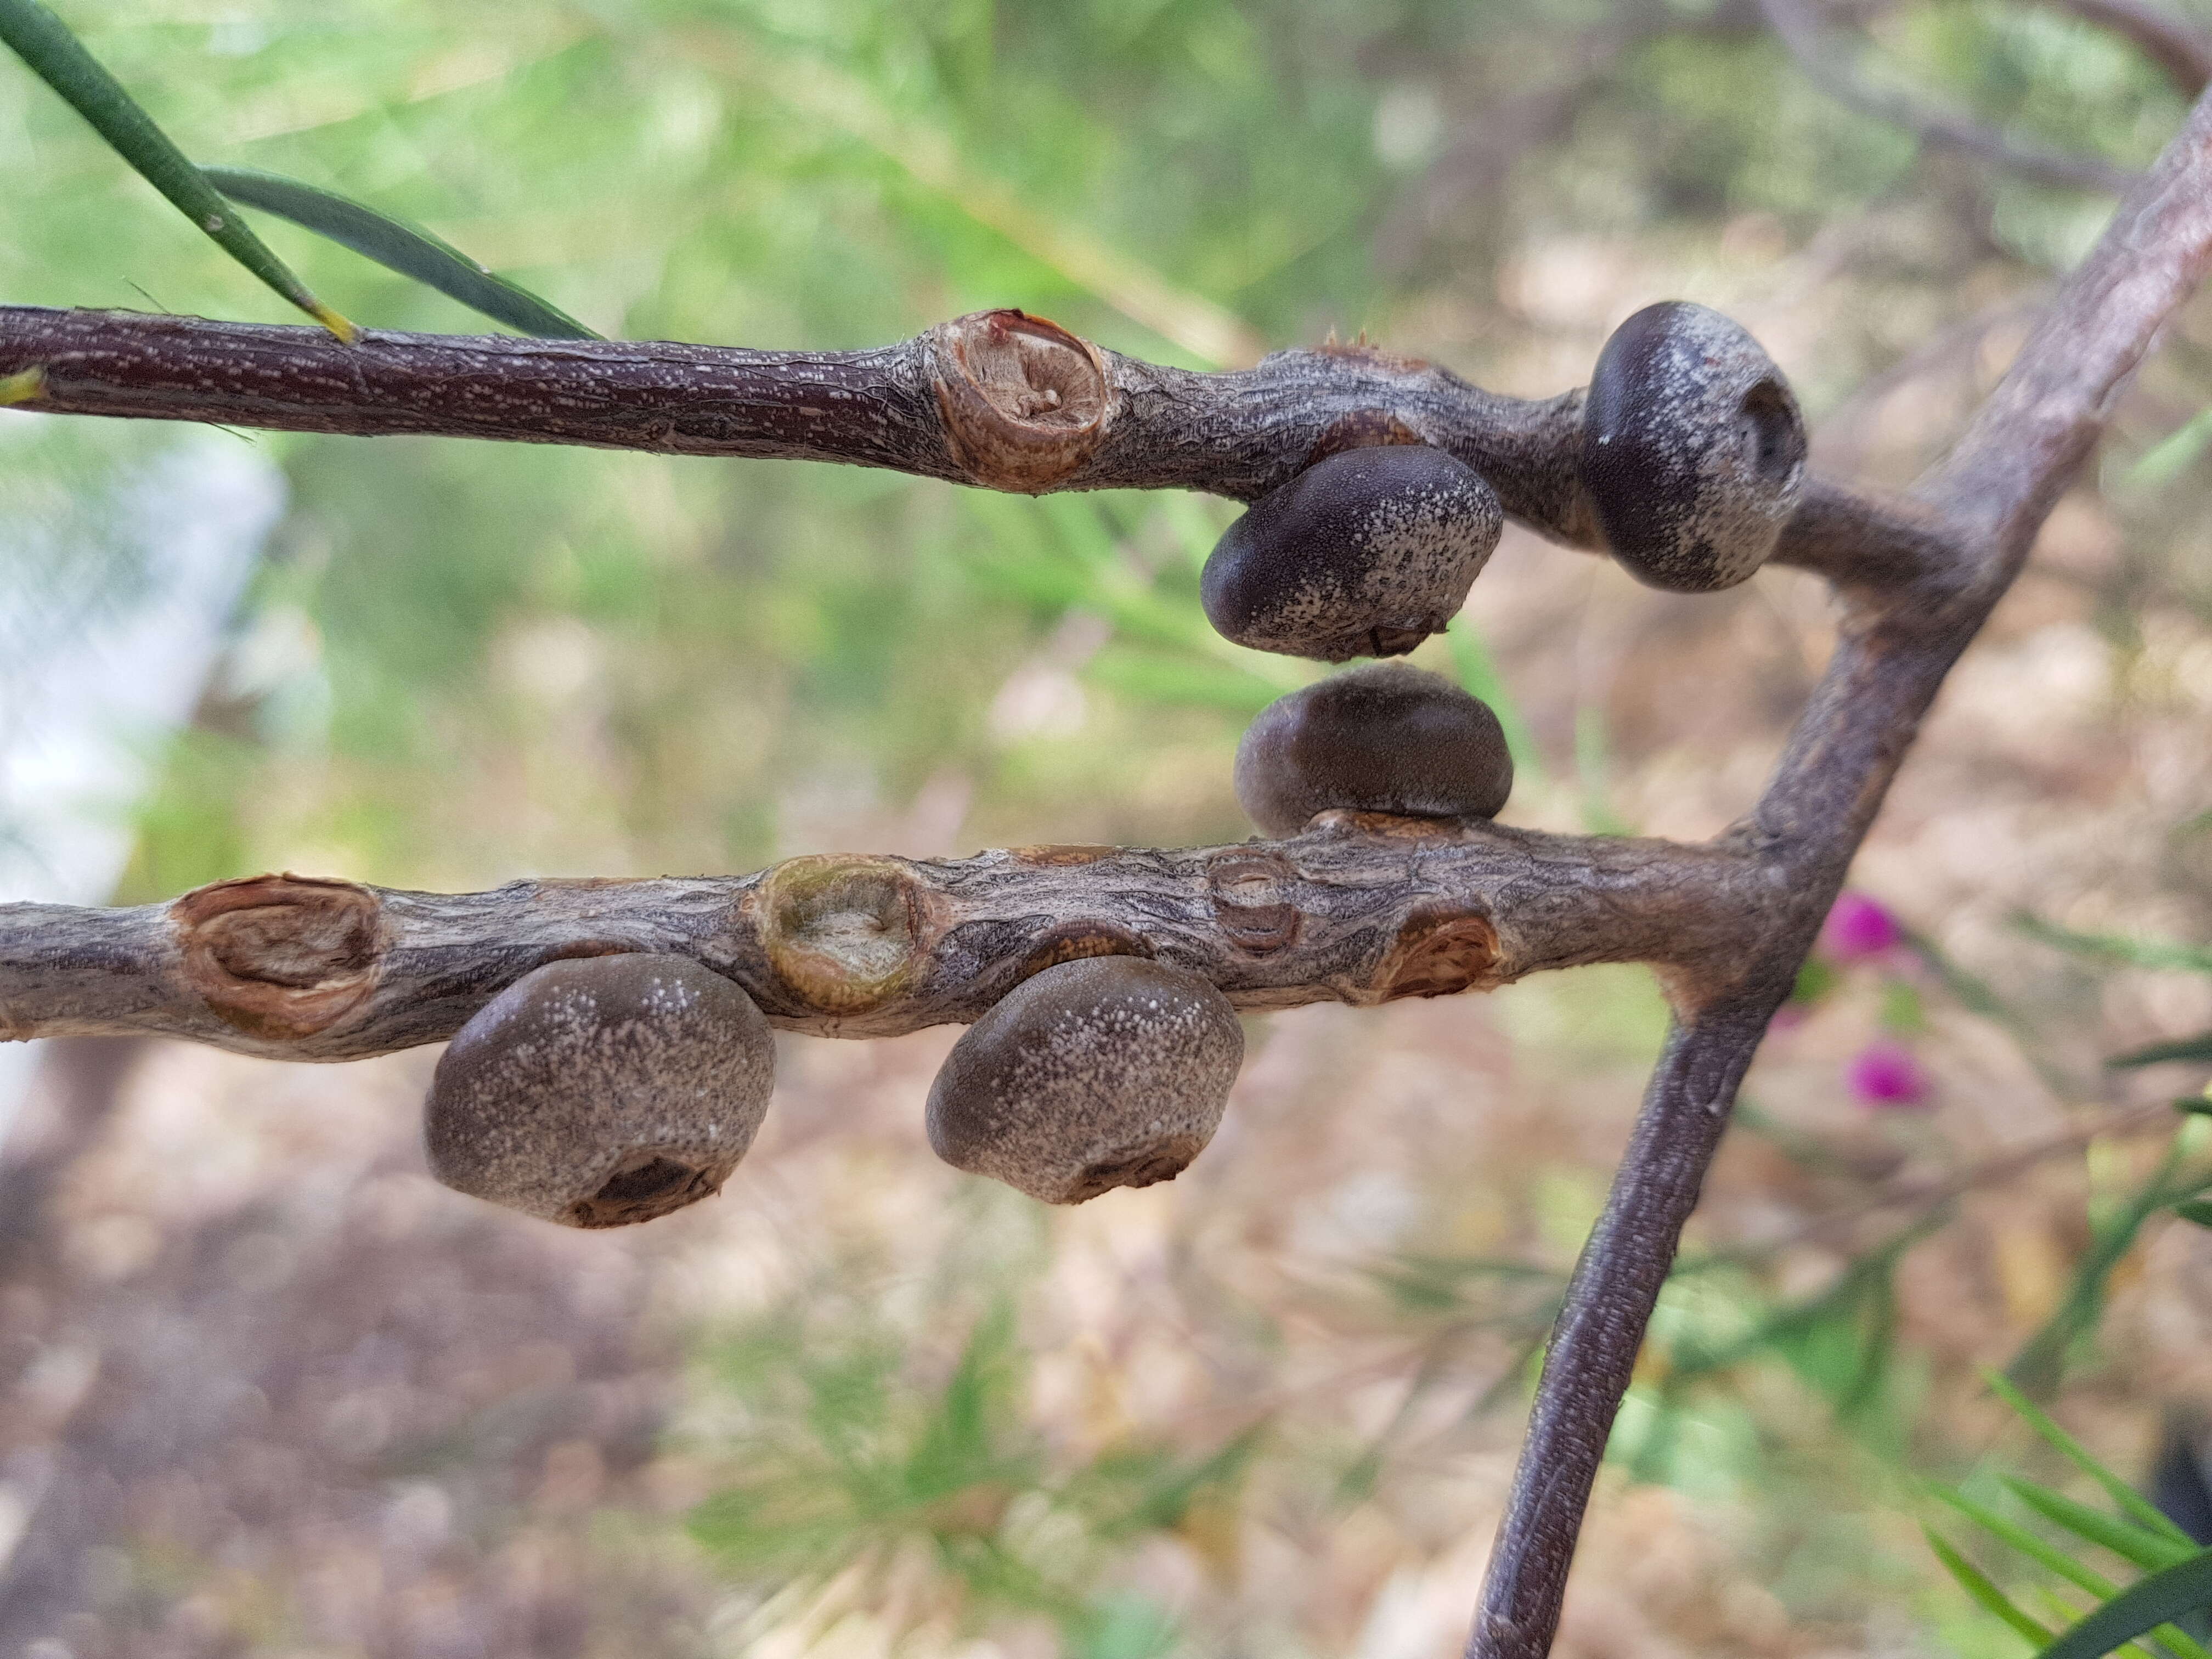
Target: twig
<point>2175,44</point>
<point>1817,58</point>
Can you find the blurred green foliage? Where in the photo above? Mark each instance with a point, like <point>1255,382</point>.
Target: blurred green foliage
<point>466,662</point>
<point>749,638</point>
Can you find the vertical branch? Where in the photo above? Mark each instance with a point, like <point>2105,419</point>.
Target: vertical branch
<point>1986,503</point>
<point>1600,1327</point>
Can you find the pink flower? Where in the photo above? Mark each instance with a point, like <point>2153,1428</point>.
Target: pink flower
<point>1859,928</point>
<point>1887,1077</point>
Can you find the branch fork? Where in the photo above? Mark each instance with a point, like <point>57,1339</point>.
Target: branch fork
<point>1357,907</point>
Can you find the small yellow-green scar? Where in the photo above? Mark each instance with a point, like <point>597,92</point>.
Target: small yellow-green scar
<point>21,388</point>
<point>343,327</point>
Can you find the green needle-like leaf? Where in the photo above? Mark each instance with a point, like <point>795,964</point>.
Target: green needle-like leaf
<point>2146,1549</point>
<point>2190,1048</point>
<point>2183,1589</point>
<point>2131,1502</point>
<point>59,59</point>
<point>398,245</point>
<point>1978,1584</point>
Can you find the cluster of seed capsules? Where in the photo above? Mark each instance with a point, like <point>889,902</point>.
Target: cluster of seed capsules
<point>610,1089</point>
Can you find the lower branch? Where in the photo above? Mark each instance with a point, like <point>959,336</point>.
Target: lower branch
<point>1601,1327</point>
<point>1359,909</point>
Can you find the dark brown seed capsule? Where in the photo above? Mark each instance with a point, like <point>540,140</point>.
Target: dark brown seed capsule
<point>1364,553</point>
<point>1108,1072</point>
<point>1385,738</point>
<point>602,1090</point>
<point>1693,449</point>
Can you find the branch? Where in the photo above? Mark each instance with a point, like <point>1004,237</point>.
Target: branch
<point>998,400</point>
<point>1816,56</point>
<point>1359,909</point>
<point>2174,44</point>
<point>1985,503</point>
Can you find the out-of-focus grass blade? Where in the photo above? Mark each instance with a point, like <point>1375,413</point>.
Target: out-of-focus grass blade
<point>2197,1210</point>
<point>2193,1048</point>
<point>2131,1502</point>
<point>2150,1551</point>
<point>2172,455</point>
<point>2008,1532</point>
<point>59,59</point>
<point>2183,1589</point>
<point>2116,947</point>
<point>1978,1584</point>
<point>398,245</point>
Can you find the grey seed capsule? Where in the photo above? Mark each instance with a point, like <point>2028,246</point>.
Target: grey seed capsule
<point>603,1090</point>
<point>1385,738</point>
<point>1693,449</point>
<point>1364,553</point>
<point>1103,1072</point>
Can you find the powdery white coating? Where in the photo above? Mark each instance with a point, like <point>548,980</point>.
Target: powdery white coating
<point>1365,553</point>
<point>602,1090</point>
<point>1693,449</point>
<point>1384,738</point>
<point>1103,1072</point>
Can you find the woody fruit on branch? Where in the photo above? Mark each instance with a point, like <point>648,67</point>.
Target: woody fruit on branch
<point>610,1060</point>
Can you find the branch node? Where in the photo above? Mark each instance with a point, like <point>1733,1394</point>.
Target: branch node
<point>843,932</point>
<point>1254,900</point>
<point>1440,953</point>
<point>1025,402</point>
<point>284,956</point>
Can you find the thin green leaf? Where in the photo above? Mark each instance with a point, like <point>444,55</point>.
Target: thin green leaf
<point>2197,1210</point>
<point>1978,1584</point>
<point>2179,1591</point>
<point>2192,1047</point>
<point>2115,947</point>
<point>2150,1551</point>
<point>400,246</point>
<point>2036,1549</point>
<point>2131,1503</point>
<point>2171,456</point>
<point>58,58</point>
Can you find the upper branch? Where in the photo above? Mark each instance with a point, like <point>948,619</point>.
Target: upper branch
<point>1358,908</point>
<point>998,400</point>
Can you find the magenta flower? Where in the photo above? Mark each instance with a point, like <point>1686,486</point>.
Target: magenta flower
<point>1859,928</point>
<point>1886,1077</point>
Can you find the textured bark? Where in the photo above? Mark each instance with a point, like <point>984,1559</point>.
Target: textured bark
<point>999,399</point>
<point>1359,909</point>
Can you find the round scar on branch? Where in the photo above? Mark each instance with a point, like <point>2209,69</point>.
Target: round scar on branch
<point>1024,401</point>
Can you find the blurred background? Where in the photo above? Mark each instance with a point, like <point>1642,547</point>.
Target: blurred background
<point>267,1390</point>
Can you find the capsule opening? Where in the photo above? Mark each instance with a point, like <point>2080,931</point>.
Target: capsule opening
<point>1773,432</point>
